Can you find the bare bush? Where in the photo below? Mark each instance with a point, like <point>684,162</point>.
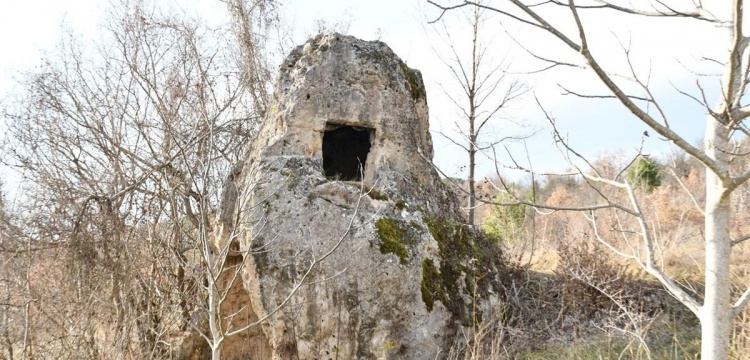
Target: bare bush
<point>124,148</point>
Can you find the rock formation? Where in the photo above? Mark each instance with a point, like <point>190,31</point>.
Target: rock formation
<point>350,242</point>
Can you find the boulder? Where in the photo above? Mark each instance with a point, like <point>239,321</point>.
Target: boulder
<point>351,245</point>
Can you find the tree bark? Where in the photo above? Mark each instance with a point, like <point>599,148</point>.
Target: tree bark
<point>472,93</point>
<point>472,166</point>
<point>715,315</point>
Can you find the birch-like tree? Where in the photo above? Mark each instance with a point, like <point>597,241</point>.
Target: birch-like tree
<point>568,24</point>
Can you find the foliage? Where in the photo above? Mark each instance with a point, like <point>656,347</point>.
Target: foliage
<point>644,174</point>
<point>505,221</point>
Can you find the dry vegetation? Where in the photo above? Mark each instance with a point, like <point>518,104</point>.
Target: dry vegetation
<point>102,259</point>
<point>124,146</point>
<point>574,298</point>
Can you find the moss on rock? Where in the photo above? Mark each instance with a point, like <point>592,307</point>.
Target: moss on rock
<point>466,256</point>
<point>413,82</point>
<point>431,284</point>
<point>394,238</point>
<point>377,195</point>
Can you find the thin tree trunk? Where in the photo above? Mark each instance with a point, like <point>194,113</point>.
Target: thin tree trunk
<point>715,314</point>
<point>216,335</point>
<point>6,328</point>
<point>28,347</point>
<point>472,194</point>
<point>472,93</point>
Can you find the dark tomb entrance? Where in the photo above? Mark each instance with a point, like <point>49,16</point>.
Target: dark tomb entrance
<point>345,150</point>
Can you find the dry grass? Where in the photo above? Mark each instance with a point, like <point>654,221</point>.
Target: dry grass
<point>577,301</point>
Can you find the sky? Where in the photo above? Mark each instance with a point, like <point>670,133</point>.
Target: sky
<point>667,54</point>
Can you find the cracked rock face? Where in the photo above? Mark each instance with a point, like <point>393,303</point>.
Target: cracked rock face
<point>336,214</point>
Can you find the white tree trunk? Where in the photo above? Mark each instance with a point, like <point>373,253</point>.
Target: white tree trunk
<point>216,335</point>
<point>715,315</point>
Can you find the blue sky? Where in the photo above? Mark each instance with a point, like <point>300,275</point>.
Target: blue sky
<point>28,28</point>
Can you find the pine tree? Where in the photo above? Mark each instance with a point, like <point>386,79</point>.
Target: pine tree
<point>644,174</point>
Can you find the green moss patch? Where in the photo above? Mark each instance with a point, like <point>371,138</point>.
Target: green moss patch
<point>431,284</point>
<point>394,238</point>
<point>413,82</point>
<point>471,264</point>
<point>377,195</point>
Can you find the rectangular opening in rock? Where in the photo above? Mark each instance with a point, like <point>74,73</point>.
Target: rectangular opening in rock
<point>345,150</point>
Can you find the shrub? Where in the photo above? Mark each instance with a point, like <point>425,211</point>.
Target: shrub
<point>644,174</point>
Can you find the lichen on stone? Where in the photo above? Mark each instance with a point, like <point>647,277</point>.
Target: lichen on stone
<point>274,108</point>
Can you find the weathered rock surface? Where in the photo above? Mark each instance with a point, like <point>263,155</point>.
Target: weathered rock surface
<point>376,265</point>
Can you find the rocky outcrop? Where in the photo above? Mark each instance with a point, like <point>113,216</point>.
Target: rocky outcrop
<point>351,244</point>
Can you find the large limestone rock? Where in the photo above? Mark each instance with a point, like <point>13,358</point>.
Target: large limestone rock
<point>350,264</point>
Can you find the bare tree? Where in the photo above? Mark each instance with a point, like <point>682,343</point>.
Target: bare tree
<point>224,261</point>
<point>251,21</point>
<point>486,89</point>
<point>130,154</point>
<point>124,149</point>
<point>726,121</point>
